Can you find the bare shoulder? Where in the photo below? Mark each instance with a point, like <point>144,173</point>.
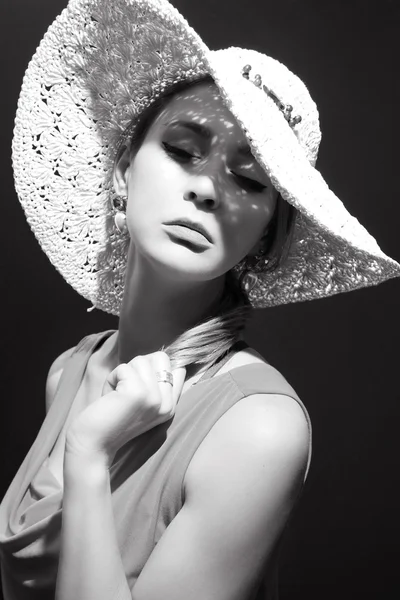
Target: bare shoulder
<point>54,375</point>
<point>260,432</point>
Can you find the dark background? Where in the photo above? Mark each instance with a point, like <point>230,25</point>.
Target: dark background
<point>340,353</point>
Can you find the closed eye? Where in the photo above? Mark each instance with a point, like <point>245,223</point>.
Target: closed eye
<point>184,156</point>
<point>178,152</point>
<point>251,184</point>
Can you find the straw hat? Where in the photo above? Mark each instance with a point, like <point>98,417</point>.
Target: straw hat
<point>98,66</point>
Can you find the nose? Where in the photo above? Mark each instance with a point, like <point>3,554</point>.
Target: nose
<point>202,189</point>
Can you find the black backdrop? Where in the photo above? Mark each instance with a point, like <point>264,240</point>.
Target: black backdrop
<point>339,353</point>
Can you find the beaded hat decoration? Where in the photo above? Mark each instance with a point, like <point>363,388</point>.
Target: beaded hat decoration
<point>99,65</point>
<point>286,109</point>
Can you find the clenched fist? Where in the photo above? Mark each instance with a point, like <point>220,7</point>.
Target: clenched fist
<point>133,402</point>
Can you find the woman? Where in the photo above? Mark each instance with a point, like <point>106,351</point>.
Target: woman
<point>166,489</point>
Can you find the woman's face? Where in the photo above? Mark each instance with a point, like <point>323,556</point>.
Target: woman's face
<point>195,164</point>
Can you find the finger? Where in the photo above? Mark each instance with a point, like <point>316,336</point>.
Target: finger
<point>178,374</point>
<point>143,366</point>
<point>121,372</point>
<point>161,362</point>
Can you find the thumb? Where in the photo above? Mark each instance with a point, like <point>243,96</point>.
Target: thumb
<point>178,375</point>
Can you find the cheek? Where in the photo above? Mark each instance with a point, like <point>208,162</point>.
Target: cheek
<point>150,181</point>
<point>144,179</point>
<point>248,225</point>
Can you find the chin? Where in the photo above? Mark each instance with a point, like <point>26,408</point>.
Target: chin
<point>182,263</point>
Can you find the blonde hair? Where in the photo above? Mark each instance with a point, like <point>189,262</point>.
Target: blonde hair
<point>211,339</point>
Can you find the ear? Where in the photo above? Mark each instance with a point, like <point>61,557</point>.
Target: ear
<point>121,171</point>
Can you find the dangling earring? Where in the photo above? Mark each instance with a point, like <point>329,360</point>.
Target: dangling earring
<point>258,256</point>
<point>119,203</point>
<point>120,222</point>
<point>257,262</point>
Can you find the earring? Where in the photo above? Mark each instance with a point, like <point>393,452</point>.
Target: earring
<point>120,222</point>
<point>256,262</point>
<point>258,256</point>
<point>119,204</point>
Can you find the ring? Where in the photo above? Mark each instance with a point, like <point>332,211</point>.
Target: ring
<point>165,377</point>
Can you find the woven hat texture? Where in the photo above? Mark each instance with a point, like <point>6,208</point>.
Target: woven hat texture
<point>98,66</point>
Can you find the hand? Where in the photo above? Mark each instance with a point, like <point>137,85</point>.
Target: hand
<point>136,403</point>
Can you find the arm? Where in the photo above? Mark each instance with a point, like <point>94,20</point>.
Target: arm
<point>54,375</point>
<point>90,565</point>
<point>240,489</point>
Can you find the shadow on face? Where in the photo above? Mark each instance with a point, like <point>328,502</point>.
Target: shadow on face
<point>195,163</point>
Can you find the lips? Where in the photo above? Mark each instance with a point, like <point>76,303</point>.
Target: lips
<point>192,225</point>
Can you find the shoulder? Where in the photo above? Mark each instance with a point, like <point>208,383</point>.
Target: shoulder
<point>254,377</point>
<point>262,436</point>
<point>270,409</point>
<point>54,375</point>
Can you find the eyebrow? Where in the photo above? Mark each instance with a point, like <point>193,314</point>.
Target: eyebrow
<point>205,133</point>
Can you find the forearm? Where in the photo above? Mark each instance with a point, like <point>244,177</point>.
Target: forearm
<point>90,566</point>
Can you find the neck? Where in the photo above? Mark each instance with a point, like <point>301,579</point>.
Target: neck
<point>156,310</point>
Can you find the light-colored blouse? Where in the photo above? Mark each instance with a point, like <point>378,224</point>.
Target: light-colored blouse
<point>146,477</point>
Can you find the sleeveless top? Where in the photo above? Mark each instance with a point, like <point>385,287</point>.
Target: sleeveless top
<point>146,476</point>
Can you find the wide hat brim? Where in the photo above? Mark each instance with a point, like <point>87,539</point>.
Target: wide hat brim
<point>98,66</point>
